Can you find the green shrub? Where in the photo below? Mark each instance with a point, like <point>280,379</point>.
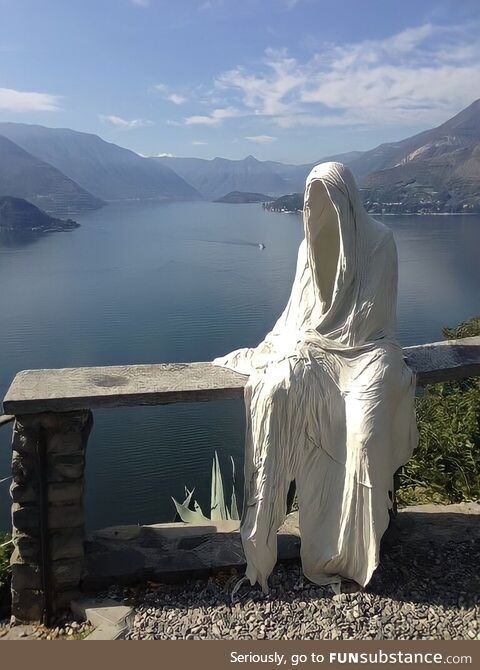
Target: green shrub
<point>445,467</point>
<point>469,328</point>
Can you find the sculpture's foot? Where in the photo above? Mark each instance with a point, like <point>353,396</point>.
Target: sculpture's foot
<point>349,586</point>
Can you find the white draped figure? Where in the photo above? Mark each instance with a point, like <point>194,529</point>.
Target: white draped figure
<point>329,400</point>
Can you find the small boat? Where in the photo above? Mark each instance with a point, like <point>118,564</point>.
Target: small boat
<point>261,246</point>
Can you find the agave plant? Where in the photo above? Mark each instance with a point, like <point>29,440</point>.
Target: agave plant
<point>219,511</point>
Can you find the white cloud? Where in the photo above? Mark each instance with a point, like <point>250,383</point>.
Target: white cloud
<point>171,96</point>
<point>164,155</point>
<point>213,119</point>
<point>124,124</point>
<point>269,94</point>
<point>261,139</point>
<point>199,143</point>
<point>27,101</point>
<point>177,98</point>
<point>420,75</point>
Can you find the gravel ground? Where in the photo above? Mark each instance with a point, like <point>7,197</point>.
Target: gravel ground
<point>418,592</point>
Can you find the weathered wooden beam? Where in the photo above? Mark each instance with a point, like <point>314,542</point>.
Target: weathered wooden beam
<point>447,361</point>
<point>69,389</point>
<point>6,418</point>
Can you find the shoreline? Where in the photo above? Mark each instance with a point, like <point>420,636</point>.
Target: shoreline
<point>426,214</point>
<point>299,211</point>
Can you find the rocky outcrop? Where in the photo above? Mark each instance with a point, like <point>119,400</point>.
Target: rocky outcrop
<point>18,215</point>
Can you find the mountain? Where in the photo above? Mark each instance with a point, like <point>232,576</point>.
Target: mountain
<point>239,197</point>
<point>16,214</point>
<point>462,130</point>
<point>436,170</point>
<point>25,176</point>
<point>219,176</point>
<point>113,173</point>
<point>108,171</point>
<point>347,158</point>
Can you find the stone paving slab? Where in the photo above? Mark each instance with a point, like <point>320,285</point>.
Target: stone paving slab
<point>108,617</point>
<point>132,554</point>
<point>171,552</point>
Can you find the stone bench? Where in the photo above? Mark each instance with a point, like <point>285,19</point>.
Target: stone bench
<point>52,411</point>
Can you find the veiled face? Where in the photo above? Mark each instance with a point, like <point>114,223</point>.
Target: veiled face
<point>323,239</point>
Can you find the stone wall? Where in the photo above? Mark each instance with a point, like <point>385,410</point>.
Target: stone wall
<point>48,463</point>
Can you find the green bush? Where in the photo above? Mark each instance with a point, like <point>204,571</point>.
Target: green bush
<point>445,467</point>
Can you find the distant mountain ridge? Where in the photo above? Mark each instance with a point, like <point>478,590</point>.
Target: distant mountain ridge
<point>25,176</point>
<point>437,170</point>
<point>108,171</point>
<point>216,177</point>
<point>219,176</point>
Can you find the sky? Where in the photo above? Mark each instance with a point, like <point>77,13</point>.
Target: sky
<point>288,80</point>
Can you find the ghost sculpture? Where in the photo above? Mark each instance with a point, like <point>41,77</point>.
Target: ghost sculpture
<point>329,400</point>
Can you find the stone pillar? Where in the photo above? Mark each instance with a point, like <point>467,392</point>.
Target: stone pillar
<point>48,463</point>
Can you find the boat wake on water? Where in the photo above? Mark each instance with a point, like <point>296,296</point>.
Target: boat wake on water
<point>242,243</point>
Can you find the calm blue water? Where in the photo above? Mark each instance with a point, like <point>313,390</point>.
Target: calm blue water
<point>154,282</point>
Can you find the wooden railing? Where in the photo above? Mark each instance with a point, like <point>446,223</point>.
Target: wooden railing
<point>53,418</point>
<point>68,389</point>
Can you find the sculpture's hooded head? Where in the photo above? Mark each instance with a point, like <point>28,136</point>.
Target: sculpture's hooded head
<point>349,292</point>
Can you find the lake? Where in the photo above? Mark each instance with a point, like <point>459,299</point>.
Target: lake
<point>168,282</point>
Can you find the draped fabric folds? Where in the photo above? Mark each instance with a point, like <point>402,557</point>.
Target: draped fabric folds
<point>329,400</point>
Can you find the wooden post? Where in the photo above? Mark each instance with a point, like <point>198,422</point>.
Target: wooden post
<point>48,463</point>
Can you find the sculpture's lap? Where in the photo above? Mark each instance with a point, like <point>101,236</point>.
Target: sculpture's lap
<point>326,422</point>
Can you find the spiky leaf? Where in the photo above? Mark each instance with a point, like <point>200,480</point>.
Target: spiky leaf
<point>233,504</point>
<point>188,515</point>
<point>218,511</point>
